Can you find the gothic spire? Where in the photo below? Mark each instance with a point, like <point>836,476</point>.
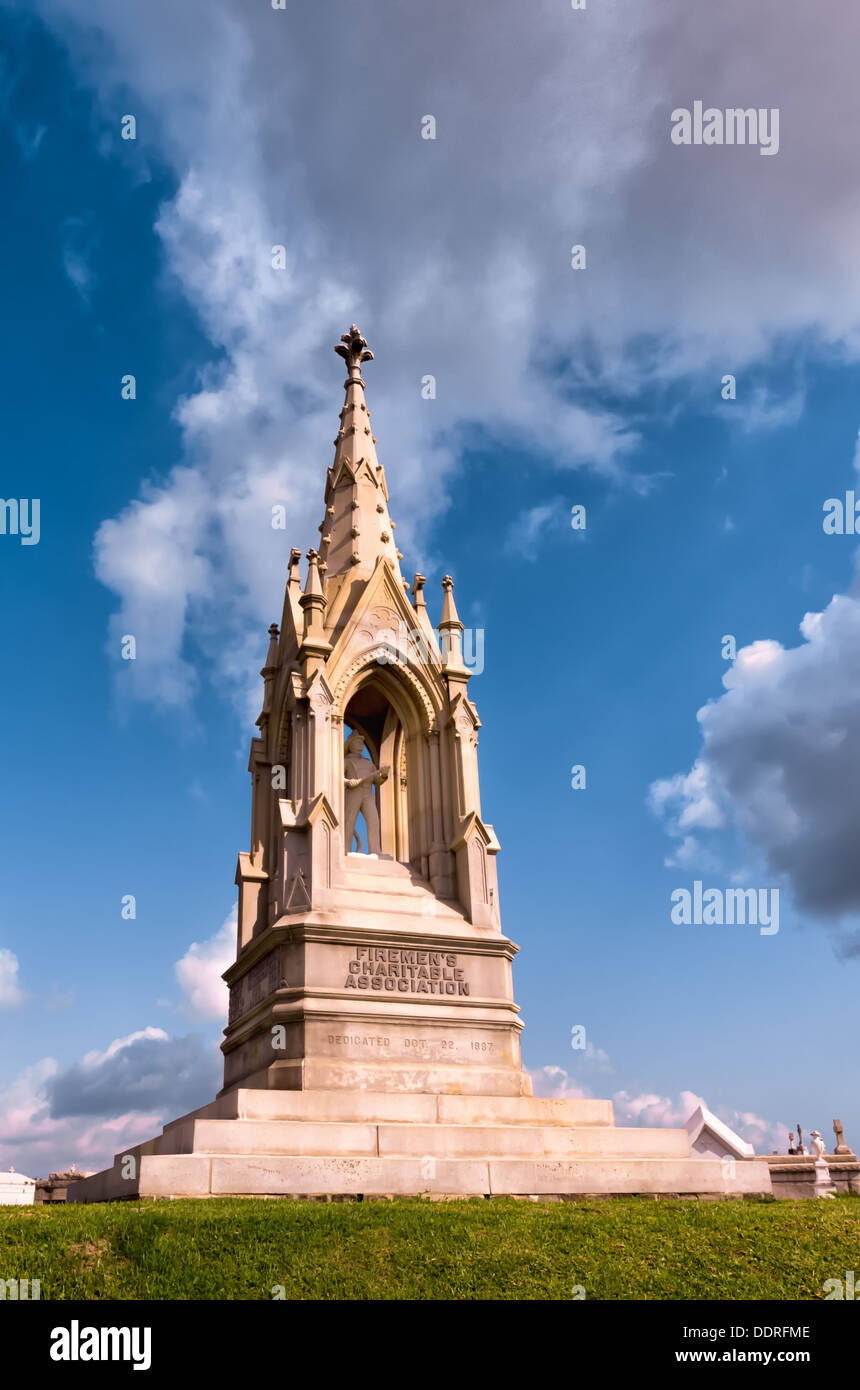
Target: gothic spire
<point>312,603</point>
<point>450,631</point>
<point>357,528</point>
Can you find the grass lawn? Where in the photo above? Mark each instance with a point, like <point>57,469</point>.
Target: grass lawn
<point>626,1248</point>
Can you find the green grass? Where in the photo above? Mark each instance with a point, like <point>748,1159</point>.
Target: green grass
<point>627,1248</point>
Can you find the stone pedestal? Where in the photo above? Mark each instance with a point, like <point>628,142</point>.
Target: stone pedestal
<point>384,988</point>
<point>354,1143</point>
<point>823,1183</point>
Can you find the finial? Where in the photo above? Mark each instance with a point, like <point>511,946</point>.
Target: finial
<point>272,656</point>
<point>312,583</point>
<point>418,599</point>
<point>312,602</point>
<point>450,617</point>
<point>268,670</point>
<point>450,631</point>
<point>354,350</point>
<point>294,575</point>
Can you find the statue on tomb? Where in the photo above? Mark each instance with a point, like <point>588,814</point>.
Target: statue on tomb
<point>801,1147</point>
<point>818,1145</point>
<point>791,1148</point>
<point>361,775</point>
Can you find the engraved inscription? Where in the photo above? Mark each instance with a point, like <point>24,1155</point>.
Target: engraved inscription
<point>357,1040</point>
<point>396,970</point>
<point>422,1045</point>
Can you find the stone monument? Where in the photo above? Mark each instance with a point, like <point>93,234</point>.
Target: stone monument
<point>823,1186</point>
<point>16,1190</point>
<point>373,1041</point>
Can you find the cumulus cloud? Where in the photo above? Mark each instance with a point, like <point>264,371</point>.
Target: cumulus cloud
<point>665,1112</point>
<point>200,969</point>
<point>655,1111</point>
<point>302,129</point>
<point>36,1142</point>
<point>555,1082</point>
<point>780,764</point>
<point>144,1072</point>
<point>780,761</point>
<point>11,993</point>
<point>150,553</point>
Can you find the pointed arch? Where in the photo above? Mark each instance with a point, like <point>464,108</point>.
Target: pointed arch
<point>403,742</point>
<point>394,676</point>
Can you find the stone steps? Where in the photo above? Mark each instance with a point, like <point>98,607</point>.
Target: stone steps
<point>300,1137</point>
<point>399,1108</point>
<point>365,1143</point>
<point>369,866</point>
<point>201,1175</point>
<point>400,898</point>
<point>386,886</point>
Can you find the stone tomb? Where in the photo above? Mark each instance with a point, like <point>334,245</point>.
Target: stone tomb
<point>373,1041</point>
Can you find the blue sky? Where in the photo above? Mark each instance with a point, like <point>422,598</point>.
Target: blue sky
<point>554,388</point>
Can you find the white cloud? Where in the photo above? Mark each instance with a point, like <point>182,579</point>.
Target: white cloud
<point>533,527</point>
<point>200,969</point>
<point>97,1059</point>
<point>150,554</point>
<point>453,255</point>
<point>555,1082</point>
<point>145,1072</point>
<point>655,1111</point>
<point>693,794</point>
<point>11,993</point>
<point>35,1142</point>
<point>767,411</point>
<point>780,763</point>
<point>780,760</point>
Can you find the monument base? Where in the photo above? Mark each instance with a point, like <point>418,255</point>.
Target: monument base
<point>274,1143</point>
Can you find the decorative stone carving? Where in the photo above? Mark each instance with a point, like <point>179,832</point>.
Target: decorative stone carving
<point>368,658</point>
<point>298,898</point>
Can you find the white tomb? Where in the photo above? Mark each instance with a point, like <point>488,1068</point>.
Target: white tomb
<point>16,1190</point>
